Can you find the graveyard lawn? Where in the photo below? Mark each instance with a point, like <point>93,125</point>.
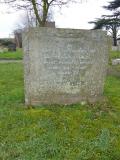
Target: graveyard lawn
<point>75,132</point>
<point>18,55</point>
<point>114,54</point>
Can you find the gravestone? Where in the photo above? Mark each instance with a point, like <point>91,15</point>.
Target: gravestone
<point>116,61</point>
<point>12,47</point>
<point>64,66</point>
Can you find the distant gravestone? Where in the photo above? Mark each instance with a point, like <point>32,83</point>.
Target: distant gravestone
<point>3,49</point>
<point>64,66</point>
<point>116,61</point>
<point>12,47</point>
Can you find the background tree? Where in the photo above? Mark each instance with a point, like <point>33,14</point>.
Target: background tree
<point>40,8</point>
<point>111,23</point>
<point>27,19</point>
<point>113,5</point>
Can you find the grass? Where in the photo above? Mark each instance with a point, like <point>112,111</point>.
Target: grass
<point>90,132</point>
<point>18,55</point>
<point>114,54</point>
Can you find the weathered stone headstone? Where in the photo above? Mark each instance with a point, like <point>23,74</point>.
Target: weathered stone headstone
<point>64,66</point>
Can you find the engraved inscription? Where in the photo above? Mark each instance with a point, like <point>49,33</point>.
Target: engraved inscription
<point>64,66</point>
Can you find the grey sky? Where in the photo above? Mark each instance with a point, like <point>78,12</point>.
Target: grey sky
<point>74,16</point>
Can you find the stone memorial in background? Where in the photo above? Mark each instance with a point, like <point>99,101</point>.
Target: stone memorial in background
<point>64,66</point>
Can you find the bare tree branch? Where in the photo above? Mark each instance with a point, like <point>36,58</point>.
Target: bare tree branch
<point>39,7</point>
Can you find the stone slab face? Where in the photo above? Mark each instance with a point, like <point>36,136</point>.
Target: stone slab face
<point>64,66</point>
